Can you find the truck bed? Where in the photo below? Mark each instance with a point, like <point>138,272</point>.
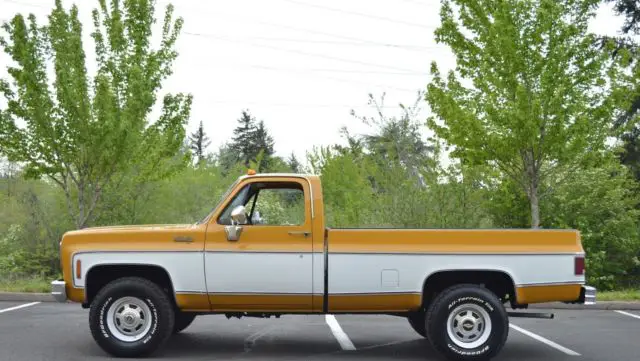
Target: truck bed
<point>400,261</point>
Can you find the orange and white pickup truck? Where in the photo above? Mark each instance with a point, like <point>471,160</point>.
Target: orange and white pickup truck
<point>265,251</point>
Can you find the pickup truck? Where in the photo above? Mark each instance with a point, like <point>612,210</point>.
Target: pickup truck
<point>265,251</point>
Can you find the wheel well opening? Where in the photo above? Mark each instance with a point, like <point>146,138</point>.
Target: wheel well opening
<point>497,282</point>
<point>100,276</point>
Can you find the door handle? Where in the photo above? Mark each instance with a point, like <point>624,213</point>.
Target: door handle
<point>183,239</point>
<point>299,233</point>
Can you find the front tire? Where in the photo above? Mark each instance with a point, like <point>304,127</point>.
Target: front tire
<point>131,317</point>
<point>467,322</point>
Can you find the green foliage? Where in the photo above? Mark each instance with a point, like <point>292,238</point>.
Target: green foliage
<point>600,202</point>
<point>82,132</point>
<point>251,144</point>
<point>26,284</point>
<point>392,178</point>
<point>528,95</point>
<point>198,142</point>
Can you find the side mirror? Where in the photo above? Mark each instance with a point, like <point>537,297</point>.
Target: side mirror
<point>239,215</point>
<point>238,218</point>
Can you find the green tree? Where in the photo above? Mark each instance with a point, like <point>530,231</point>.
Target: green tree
<point>528,95</point>
<point>294,164</point>
<point>264,144</point>
<point>83,132</point>
<point>251,144</point>
<point>243,135</point>
<point>627,51</point>
<point>198,142</point>
<point>601,202</point>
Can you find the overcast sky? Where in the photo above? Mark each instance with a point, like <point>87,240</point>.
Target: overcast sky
<point>299,65</point>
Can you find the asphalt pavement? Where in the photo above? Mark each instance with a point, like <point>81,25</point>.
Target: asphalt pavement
<point>60,332</point>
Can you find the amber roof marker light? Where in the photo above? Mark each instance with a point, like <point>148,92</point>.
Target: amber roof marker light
<point>251,172</point>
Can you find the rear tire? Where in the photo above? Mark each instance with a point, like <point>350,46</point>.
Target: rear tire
<point>467,322</point>
<point>183,320</point>
<point>131,317</point>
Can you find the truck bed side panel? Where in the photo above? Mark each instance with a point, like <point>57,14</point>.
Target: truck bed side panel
<point>386,268</point>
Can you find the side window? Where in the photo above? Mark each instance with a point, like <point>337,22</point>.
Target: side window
<point>278,204</point>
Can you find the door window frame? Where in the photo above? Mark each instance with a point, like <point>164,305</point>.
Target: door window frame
<point>303,182</point>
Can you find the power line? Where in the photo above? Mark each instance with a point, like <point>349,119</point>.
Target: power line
<point>353,40</point>
<point>306,53</point>
<point>243,18</point>
<point>349,43</point>
<point>417,2</point>
<point>328,70</point>
<point>355,13</point>
<point>244,102</point>
<point>26,4</point>
<point>335,79</point>
<point>342,80</point>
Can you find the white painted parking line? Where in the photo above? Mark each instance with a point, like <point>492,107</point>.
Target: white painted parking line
<point>544,340</point>
<point>18,307</point>
<point>339,334</point>
<point>628,314</point>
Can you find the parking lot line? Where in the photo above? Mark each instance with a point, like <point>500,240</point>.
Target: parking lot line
<point>18,307</point>
<point>628,314</point>
<point>339,334</point>
<point>544,340</point>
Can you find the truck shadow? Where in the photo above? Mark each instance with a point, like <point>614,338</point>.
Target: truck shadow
<point>211,347</point>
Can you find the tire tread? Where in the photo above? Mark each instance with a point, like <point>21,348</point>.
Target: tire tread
<point>442,297</point>
<point>162,302</point>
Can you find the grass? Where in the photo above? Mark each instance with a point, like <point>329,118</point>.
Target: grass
<point>34,284</point>
<point>42,285</point>
<point>622,295</point>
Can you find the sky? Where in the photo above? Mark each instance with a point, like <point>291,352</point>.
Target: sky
<point>301,66</point>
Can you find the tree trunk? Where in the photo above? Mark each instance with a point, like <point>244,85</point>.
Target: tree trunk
<point>533,180</point>
<point>535,208</point>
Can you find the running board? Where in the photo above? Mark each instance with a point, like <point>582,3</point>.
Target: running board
<point>531,315</point>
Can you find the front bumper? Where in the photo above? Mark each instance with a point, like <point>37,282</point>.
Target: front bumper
<point>59,290</point>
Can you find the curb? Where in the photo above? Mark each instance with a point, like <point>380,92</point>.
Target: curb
<point>600,305</point>
<point>26,296</point>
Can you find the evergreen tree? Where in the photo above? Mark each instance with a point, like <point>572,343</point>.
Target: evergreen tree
<point>252,143</point>
<point>294,164</point>
<point>264,147</point>
<point>198,142</point>
<point>242,143</point>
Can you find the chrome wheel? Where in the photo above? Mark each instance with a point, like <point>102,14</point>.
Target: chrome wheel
<point>129,319</point>
<point>469,326</point>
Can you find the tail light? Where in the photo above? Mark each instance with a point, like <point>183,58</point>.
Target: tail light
<point>78,269</point>
<point>579,266</point>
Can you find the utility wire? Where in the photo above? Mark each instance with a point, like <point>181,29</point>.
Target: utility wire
<point>337,79</point>
<point>348,43</point>
<point>230,101</point>
<point>326,70</point>
<point>354,40</point>
<point>26,4</point>
<point>355,13</point>
<point>306,53</point>
<point>243,18</point>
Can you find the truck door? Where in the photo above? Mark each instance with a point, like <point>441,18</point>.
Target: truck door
<point>264,262</point>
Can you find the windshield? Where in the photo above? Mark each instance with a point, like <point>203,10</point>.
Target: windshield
<point>220,200</point>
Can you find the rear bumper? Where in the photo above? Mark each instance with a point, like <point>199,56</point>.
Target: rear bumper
<point>59,290</point>
<point>588,295</point>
